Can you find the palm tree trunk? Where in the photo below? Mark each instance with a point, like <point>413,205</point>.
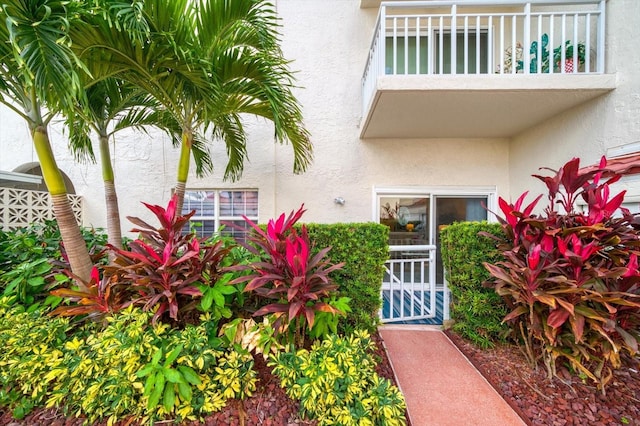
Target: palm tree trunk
<point>183,168</point>
<point>74,244</point>
<point>114,230</point>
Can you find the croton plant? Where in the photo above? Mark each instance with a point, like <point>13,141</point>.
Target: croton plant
<point>570,275</point>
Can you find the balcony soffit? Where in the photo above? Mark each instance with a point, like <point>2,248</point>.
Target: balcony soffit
<point>468,106</point>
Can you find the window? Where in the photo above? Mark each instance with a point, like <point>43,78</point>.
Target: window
<point>409,50</point>
<point>221,209</point>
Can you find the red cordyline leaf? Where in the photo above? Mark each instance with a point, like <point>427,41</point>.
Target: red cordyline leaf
<point>171,211</point>
<point>275,228</point>
<point>95,275</point>
<point>295,309</point>
<point>533,258</point>
<point>546,243</point>
<point>632,266</point>
<point>297,255</point>
<point>190,291</point>
<point>310,316</point>
<point>577,323</point>
<point>272,309</point>
<point>166,253</point>
<point>165,216</point>
<point>512,213</point>
<point>149,250</point>
<point>186,256</point>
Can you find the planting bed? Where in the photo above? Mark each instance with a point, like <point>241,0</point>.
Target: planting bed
<point>269,406</point>
<point>557,402</point>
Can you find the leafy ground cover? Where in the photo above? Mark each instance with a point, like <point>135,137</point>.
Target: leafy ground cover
<point>269,405</point>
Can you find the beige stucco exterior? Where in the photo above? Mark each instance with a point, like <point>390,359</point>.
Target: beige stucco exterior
<point>328,41</point>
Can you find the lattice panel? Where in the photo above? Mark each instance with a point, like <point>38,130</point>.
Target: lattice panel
<point>21,207</point>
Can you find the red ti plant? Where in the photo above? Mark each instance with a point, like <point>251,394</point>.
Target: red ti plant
<point>298,282</point>
<point>166,266</point>
<point>98,298</point>
<point>571,278</point>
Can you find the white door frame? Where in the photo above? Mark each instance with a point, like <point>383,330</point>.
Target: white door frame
<point>432,192</point>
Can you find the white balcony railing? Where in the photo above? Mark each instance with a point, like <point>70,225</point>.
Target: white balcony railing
<point>486,37</point>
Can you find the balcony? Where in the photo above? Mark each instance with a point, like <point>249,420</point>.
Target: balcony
<point>478,69</point>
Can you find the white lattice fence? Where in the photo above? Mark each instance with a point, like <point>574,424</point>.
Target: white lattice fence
<point>21,207</point>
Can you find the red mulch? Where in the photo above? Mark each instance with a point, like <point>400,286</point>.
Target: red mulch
<point>560,401</point>
<point>269,406</point>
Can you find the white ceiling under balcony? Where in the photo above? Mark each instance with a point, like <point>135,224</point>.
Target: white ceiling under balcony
<point>473,106</point>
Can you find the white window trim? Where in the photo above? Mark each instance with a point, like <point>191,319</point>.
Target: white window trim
<point>490,192</point>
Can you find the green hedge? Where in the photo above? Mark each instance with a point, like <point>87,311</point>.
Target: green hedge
<point>477,311</point>
<point>363,247</point>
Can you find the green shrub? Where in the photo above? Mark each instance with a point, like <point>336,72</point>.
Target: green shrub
<point>336,383</point>
<point>31,261</point>
<point>363,248</point>
<point>477,311</point>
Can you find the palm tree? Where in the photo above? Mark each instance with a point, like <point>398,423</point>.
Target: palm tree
<point>207,63</point>
<point>39,77</point>
<point>111,106</point>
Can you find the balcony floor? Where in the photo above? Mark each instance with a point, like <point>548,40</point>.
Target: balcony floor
<point>474,106</point>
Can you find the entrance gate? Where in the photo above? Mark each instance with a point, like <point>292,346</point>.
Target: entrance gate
<point>409,284</point>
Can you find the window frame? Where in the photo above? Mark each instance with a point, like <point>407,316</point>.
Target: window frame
<point>217,218</point>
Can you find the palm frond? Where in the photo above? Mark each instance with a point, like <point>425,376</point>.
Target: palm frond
<point>38,34</point>
<point>201,155</point>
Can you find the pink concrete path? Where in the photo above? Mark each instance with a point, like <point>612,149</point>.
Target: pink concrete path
<point>439,383</point>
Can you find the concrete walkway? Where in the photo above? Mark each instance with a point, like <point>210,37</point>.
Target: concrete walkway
<point>440,385</point>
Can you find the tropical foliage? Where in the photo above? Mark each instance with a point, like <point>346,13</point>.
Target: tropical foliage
<point>127,369</point>
<point>126,356</point>
<point>287,273</point>
<point>336,383</point>
<point>207,63</point>
<point>33,262</point>
<point>39,78</point>
<point>570,277</point>
<point>165,271</point>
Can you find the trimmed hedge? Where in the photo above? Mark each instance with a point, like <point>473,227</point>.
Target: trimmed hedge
<point>363,247</point>
<point>477,311</point>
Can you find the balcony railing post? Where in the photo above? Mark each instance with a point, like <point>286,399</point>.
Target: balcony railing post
<point>454,39</point>
<point>600,50</point>
<point>527,39</point>
<point>382,45</point>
